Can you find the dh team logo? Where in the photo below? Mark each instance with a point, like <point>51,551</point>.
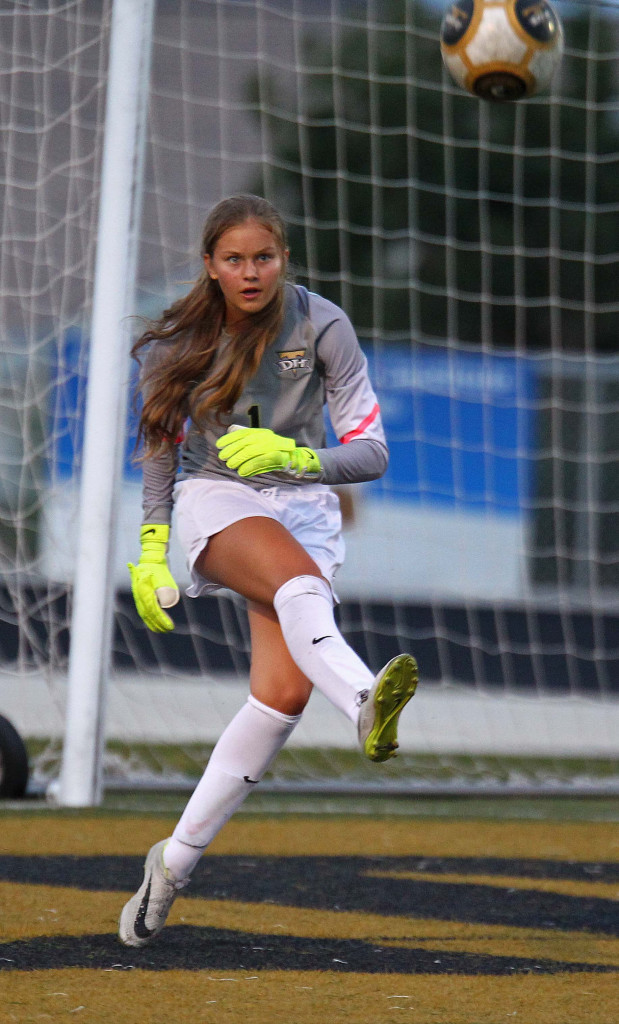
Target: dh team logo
<point>293,361</point>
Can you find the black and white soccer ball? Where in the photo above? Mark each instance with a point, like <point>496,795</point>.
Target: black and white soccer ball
<point>501,50</point>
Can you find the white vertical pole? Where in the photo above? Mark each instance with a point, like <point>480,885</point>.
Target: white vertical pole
<point>80,783</point>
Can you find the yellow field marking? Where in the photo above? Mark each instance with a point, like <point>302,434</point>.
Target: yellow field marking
<point>295,997</point>
<point>32,910</point>
<point>139,996</point>
<point>564,947</point>
<point>561,886</point>
<point>38,910</point>
<point>454,936</point>
<point>82,833</point>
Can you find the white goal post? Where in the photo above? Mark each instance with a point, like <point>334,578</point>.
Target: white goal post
<point>475,248</point>
<point>81,778</point>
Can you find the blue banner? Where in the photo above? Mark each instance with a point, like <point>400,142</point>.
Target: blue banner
<point>459,427</point>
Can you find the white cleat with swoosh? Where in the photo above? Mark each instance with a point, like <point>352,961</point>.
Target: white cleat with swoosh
<point>145,914</point>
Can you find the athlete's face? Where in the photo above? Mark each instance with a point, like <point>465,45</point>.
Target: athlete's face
<point>248,263</point>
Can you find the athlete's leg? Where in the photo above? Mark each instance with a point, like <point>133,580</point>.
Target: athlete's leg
<point>244,559</point>
<point>267,559</point>
<point>241,756</point>
<point>261,560</point>
<point>254,556</point>
<point>250,743</point>
<point>275,679</point>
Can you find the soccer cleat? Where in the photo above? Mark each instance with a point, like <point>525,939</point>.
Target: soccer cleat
<point>145,914</point>
<point>379,714</point>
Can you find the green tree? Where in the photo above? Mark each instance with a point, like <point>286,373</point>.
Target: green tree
<point>434,215</point>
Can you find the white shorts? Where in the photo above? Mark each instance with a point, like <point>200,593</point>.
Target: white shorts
<point>311,513</point>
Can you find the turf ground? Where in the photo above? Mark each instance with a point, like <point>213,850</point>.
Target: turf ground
<point>309,919</point>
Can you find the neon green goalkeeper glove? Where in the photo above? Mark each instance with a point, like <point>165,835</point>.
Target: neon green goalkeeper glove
<point>253,450</point>
<point>152,584</point>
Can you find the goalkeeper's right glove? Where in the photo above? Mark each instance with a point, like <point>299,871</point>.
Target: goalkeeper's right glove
<point>152,583</point>
<point>254,450</point>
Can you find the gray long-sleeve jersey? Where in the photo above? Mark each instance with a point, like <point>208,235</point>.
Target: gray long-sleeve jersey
<point>316,358</point>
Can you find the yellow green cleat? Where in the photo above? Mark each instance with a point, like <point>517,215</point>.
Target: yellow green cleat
<point>378,718</point>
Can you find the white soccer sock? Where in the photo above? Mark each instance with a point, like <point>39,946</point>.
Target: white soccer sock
<point>304,606</point>
<point>240,758</point>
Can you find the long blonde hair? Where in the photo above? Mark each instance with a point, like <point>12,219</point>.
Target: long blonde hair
<point>184,382</point>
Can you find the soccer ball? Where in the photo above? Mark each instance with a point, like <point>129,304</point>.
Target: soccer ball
<point>501,49</point>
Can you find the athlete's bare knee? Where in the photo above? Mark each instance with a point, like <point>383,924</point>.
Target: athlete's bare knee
<point>287,697</point>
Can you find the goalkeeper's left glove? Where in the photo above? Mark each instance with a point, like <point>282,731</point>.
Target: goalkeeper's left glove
<point>254,450</point>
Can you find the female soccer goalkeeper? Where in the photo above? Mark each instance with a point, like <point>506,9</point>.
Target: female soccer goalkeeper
<point>234,382</point>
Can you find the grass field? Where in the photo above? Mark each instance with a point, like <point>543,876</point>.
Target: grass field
<point>493,912</point>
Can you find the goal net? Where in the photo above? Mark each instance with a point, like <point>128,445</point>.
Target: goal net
<point>473,245</point>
